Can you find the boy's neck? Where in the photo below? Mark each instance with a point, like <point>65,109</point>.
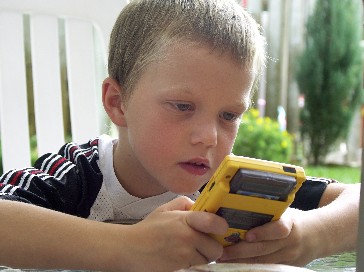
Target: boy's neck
<point>128,172</point>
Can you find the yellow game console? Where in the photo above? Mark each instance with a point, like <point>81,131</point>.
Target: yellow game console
<point>248,193</point>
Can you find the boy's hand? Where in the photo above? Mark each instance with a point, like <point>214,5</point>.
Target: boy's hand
<point>302,236</point>
<point>172,237</point>
<point>286,241</point>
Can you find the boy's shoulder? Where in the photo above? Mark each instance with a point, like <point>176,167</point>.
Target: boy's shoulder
<point>68,181</point>
<point>74,153</point>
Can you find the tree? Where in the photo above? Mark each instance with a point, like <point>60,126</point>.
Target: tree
<point>329,74</point>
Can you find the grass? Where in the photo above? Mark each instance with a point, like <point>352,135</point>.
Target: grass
<point>343,174</point>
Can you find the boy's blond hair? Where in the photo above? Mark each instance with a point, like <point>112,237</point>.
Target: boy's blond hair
<point>145,27</point>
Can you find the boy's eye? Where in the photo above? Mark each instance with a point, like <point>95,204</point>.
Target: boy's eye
<point>183,106</point>
<point>229,116</point>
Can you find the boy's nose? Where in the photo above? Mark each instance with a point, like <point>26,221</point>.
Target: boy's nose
<point>205,133</point>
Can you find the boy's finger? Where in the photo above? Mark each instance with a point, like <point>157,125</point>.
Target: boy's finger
<point>271,231</point>
<point>210,249</point>
<point>182,203</point>
<point>244,250</point>
<point>207,222</point>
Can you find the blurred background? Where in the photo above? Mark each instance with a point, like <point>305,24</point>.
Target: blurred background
<point>308,108</point>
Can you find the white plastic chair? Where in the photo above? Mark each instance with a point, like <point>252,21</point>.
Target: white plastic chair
<point>87,25</point>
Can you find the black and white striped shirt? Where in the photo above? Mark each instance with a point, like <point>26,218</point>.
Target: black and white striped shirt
<point>80,181</point>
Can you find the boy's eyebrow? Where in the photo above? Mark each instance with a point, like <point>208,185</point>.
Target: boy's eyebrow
<point>243,104</point>
<point>180,88</point>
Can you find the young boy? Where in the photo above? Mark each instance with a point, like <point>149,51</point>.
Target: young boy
<point>181,75</point>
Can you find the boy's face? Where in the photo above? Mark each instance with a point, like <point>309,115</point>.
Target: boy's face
<point>182,118</point>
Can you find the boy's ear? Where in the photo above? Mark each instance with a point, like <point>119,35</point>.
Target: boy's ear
<point>113,102</point>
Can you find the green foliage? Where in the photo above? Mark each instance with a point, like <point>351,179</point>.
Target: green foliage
<point>329,74</point>
<point>262,138</point>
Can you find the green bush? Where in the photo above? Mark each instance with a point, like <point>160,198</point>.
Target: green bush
<point>329,75</point>
<point>262,138</point>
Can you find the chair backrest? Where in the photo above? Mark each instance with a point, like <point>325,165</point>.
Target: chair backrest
<point>66,43</point>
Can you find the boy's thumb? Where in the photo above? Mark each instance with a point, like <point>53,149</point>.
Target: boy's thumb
<point>181,203</point>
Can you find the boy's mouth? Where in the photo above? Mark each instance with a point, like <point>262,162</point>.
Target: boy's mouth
<point>196,167</point>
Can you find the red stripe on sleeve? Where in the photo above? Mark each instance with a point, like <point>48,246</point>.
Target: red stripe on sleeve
<point>72,150</point>
<point>54,167</point>
<point>15,178</point>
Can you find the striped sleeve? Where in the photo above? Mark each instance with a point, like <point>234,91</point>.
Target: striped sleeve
<point>67,182</point>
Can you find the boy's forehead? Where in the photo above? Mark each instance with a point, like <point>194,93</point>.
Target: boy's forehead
<point>181,62</point>
<point>186,47</point>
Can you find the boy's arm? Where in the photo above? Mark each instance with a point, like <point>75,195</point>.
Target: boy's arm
<point>333,191</point>
<point>339,217</point>
<point>34,237</point>
<point>170,238</point>
<point>302,236</point>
